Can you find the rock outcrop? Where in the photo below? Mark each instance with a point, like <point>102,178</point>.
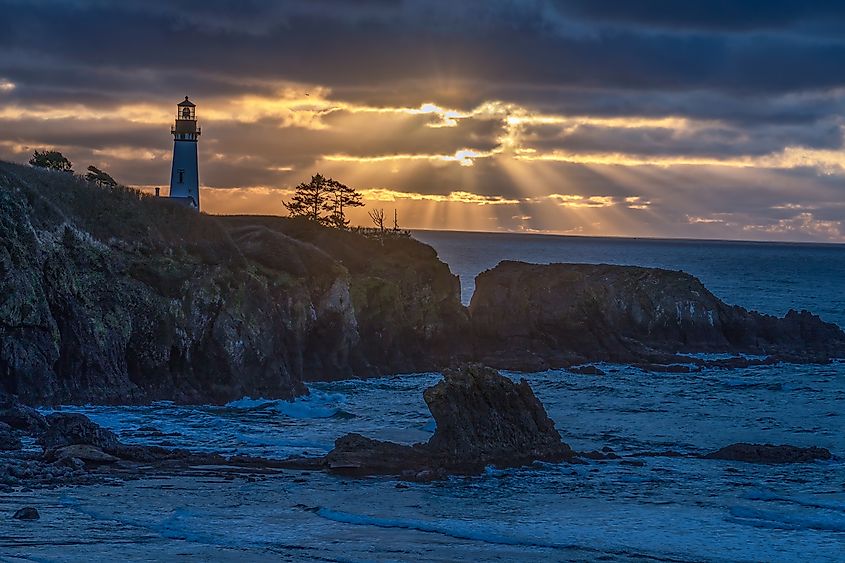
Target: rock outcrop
<point>769,453</point>
<point>111,296</point>
<point>527,316</point>
<point>482,419</point>
<point>26,513</point>
<point>482,415</point>
<point>405,302</point>
<point>19,416</point>
<point>67,429</point>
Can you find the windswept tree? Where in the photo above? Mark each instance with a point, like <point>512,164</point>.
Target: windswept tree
<point>309,200</point>
<point>52,160</point>
<point>323,200</point>
<point>342,197</point>
<point>102,179</point>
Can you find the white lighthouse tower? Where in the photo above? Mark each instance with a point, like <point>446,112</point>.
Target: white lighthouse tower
<point>184,177</point>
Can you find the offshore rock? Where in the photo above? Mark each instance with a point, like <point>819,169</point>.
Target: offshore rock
<point>67,429</point>
<point>482,419</point>
<point>768,453</point>
<point>359,455</point>
<point>26,513</point>
<point>481,415</point>
<point>539,316</point>
<point>587,370</point>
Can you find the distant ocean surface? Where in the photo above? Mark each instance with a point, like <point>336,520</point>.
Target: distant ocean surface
<point>657,509</point>
<point>767,277</point>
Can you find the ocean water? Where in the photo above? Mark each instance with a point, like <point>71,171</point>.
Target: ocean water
<point>664,509</point>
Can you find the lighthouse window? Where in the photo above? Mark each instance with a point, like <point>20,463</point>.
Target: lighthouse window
<point>181,173</point>
<point>186,113</point>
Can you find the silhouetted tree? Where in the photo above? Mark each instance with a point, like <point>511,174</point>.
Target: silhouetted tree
<point>342,197</point>
<point>102,179</point>
<point>310,199</point>
<point>54,160</point>
<point>323,200</point>
<point>377,217</point>
<point>395,220</point>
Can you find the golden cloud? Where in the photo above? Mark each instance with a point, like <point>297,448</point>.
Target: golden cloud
<point>464,157</point>
<point>388,195</point>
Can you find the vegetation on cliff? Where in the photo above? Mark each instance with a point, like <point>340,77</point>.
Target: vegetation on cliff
<point>110,295</point>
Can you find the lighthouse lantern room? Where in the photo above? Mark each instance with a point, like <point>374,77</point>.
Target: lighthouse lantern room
<point>184,176</point>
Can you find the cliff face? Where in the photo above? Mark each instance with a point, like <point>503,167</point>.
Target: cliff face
<point>406,302</point>
<point>534,316</point>
<point>109,296</point>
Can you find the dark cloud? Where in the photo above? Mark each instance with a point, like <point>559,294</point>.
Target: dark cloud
<point>706,141</point>
<point>752,78</point>
<point>89,134</point>
<point>747,15</point>
<point>349,45</point>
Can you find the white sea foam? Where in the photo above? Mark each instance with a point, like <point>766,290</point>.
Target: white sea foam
<point>317,404</point>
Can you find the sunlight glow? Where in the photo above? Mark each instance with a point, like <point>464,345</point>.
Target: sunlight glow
<point>132,153</point>
<point>464,157</point>
<point>550,169</point>
<point>387,195</point>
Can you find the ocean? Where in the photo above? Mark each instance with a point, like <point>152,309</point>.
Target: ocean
<point>667,509</point>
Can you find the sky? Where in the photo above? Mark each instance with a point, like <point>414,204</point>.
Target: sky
<point>654,118</point>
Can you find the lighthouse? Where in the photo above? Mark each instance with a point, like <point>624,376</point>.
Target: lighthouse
<point>184,176</point>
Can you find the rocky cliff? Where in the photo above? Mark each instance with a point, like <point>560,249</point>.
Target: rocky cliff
<point>527,316</point>
<point>107,295</point>
<point>111,296</point>
<point>405,301</point>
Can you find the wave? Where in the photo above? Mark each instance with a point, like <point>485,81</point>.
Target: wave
<point>471,531</point>
<point>458,530</point>
<point>786,520</point>
<point>800,500</point>
<point>745,384</point>
<point>318,404</point>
